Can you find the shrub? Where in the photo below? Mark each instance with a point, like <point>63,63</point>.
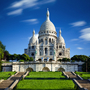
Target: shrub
<point>31,59</point>
<point>60,60</point>
<point>81,74</point>
<point>10,74</point>
<point>73,60</point>
<point>21,60</point>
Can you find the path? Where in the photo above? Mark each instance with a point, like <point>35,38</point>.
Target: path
<point>83,83</point>
<point>7,83</point>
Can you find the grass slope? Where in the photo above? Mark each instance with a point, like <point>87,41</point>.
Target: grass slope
<point>84,75</point>
<point>45,75</point>
<point>45,84</point>
<point>5,75</point>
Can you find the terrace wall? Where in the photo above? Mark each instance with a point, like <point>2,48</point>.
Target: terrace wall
<point>38,66</point>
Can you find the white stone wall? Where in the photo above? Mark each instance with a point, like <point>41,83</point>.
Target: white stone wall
<point>39,67</point>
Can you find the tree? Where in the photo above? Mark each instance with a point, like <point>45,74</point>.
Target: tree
<point>2,46</point>
<point>87,62</point>
<point>6,54</point>
<point>65,59</point>
<point>1,53</point>
<point>80,58</point>
<point>13,57</point>
<point>25,57</point>
<point>8,57</point>
<point>18,57</point>
<point>31,59</point>
<point>1,56</point>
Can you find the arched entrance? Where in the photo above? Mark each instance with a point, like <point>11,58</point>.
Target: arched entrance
<point>61,69</point>
<point>29,69</point>
<point>45,69</point>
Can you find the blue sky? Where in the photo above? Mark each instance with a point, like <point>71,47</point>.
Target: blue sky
<point>18,18</point>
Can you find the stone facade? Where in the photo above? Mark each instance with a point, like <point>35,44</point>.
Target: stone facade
<point>47,47</point>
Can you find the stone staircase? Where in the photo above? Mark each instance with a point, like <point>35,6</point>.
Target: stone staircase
<point>7,83</point>
<point>83,83</point>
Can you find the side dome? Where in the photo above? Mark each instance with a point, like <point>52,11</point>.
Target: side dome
<point>47,25</point>
<point>60,38</point>
<point>33,39</point>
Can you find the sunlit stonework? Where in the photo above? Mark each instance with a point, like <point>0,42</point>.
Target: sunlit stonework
<point>47,47</point>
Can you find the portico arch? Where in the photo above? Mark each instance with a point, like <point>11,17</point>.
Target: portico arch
<point>50,59</point>
<point>40,59</point>
<point>45,60</point>
<point>45,69</point>
<point>29,69</point>
<point>61,69</point>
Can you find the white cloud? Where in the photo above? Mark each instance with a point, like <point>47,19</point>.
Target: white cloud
<point>46,1</point>
<point>80,48</point>
<point>31,21</point>
<point>85,34</point>
<point>23,4</point>
<point>79,23</point>
<point>16,12</point>
<point>74,39</point>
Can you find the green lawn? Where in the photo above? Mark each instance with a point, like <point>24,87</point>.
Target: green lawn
<point>6,62</point>
<point>45,84</point>
<point>45,75</point>
<point>5,75</point>
<point>84,75</point>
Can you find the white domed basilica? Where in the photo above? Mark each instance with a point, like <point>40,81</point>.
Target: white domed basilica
<point>46,50</point>
<point>47,47</point>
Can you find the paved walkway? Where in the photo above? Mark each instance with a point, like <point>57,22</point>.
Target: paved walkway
<point>7,83</point>
<point>83,83</point>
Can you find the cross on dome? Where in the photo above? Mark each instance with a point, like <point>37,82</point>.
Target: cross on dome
<point>48,14</point>
<point>33,32</point>
<point>60,32</point>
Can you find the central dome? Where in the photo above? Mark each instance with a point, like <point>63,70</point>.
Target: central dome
<point>47,25</point>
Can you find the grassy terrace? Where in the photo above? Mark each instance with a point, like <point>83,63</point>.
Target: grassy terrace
<point>84,75</point>
<point>5,75</point>
<point>45,84</point>
<point>45,75</point>
<point>44,81</point>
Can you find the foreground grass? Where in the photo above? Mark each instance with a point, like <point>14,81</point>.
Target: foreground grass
<point>45,75</point>
<point>5,75</point>
<point>45,84</point>
<point>84,75</point>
